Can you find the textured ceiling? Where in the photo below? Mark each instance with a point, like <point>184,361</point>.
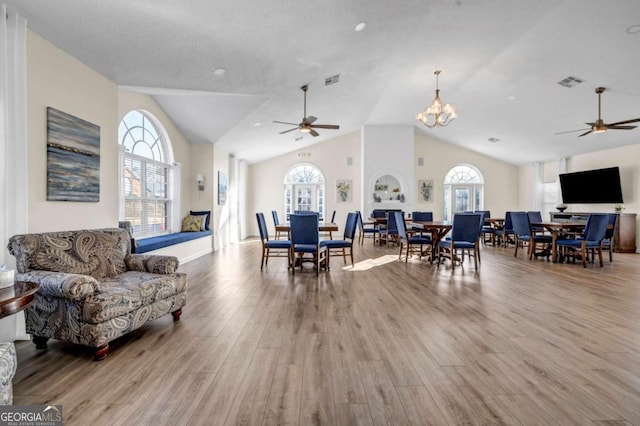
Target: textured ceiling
<point>489,51</point>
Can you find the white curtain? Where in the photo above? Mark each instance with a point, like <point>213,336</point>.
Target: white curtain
<point>13,145</point>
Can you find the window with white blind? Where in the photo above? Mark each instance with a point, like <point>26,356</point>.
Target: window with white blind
<point>145,174</point>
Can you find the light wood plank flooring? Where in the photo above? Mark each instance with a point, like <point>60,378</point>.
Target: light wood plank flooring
<point>518,342</point>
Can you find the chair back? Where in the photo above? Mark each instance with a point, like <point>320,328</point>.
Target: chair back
<point>378,214</point>
<point>359,221</point>
<point>350,227</point>
<point>401,226</point>
<point>521,225</point>
<point>596,227</point>
<point>304,229</point>
<point>262,227</point>
<point>535,216</point>
<point>306,212</point>
<point>487,215</point>
<point>613,218</point>
<point>466,227</point>
<point>276,221</point>
<point>508,223</point>
<point>392,225</point>
<point>333,217</point>
<point>422,216</point>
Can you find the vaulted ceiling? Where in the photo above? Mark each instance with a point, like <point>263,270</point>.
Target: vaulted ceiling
<point>501,62</point>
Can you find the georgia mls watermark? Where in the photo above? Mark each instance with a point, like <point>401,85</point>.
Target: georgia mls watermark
<point>31,415</point>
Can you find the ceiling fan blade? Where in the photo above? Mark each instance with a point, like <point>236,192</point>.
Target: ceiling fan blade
<point>284,122</point>
<point>325,126</point>
<point>609,127</point>
<point>585,133</point>
<point>635,120</point>
<point>311,119</point>
<point>290,130</point>
<point>571,131</point>
<point>313,133</point>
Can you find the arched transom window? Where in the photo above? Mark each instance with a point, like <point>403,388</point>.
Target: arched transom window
<point>304,189</point>
<point>145,169</point>
<point>463,190</point>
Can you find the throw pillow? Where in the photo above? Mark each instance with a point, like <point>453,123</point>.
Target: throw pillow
<point>206,214</point>
<point>191,224</point>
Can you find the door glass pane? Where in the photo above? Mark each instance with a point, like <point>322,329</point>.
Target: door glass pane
<point>461,200</point>
<point>304,198</point>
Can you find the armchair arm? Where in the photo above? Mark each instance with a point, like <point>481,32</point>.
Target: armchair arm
<point>61,284</point>
<point>153,263</point>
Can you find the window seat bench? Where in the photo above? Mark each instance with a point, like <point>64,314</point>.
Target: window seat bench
<point>154,243</point>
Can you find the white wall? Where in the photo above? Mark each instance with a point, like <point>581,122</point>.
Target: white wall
<point>500,179</point>
<point>387,150</point>
<point>265,180</point>
<point>58,80</point>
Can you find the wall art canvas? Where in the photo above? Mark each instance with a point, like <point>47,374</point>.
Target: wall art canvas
<point>222,188</point>
<point>73,158</point>
<point>344,191</point>
<point>425,190</point>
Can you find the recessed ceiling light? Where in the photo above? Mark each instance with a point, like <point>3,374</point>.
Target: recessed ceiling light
<point>511,98</point>
<point>257,124</point>
<point>359,27</point>
<point>634,29</point>
<point>219,72</point>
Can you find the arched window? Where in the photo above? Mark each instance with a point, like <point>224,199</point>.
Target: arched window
<point>145,170</point>
<point>304,189</point>
<point>463,190</point>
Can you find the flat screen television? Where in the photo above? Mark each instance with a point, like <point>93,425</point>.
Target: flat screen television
<point>591,186</point>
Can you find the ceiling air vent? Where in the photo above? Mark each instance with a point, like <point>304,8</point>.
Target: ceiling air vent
<point>570,81</point>
<point>493,140</point>
<point>332,80</point>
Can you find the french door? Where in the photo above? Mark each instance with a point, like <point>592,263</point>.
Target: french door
<point>462,198</point>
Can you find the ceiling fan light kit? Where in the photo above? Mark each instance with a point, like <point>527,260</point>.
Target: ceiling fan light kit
<point>307,124</point>
<point>435,115</point>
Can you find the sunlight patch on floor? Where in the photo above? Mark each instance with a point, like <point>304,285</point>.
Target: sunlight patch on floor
<point>367,264</point>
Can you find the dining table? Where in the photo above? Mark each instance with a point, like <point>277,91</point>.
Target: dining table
<point>322,227</point>
<point>437,229</point>
<point>558,230</point>
<point>497,224</point>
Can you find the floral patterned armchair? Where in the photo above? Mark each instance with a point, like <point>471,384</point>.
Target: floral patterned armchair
<point>92,289</point>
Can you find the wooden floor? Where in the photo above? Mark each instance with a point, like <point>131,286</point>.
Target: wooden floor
<point>518,342</point>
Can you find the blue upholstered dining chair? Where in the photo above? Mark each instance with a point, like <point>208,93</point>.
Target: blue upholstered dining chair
<point>421,217</point>
<point>276,222</point>
<point>340,247</point>
<point>465,236</point>
<point>535,216</point>
<point>415,243</point>
<point>390,232</point>
<point>273,248</point>
<point>607,243</point>
<point>525,236</point>
<point>306,240</point>
<point>363,230</point>
<point>594,232</point>
<point>507,230</point>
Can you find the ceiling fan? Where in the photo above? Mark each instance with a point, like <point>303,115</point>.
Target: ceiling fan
<point>307,125</point>
<point>600,126</point>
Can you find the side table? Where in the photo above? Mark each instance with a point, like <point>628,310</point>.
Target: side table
<point>16,298</point>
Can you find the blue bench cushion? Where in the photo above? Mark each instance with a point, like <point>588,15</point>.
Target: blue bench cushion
<point>153,243</point>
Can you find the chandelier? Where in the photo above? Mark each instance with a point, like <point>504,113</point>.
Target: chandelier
<point>435,115</point>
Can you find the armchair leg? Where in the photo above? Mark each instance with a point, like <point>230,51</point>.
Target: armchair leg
<point>40,342</point>
<point>176,314</point>
<point>101,352</point>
